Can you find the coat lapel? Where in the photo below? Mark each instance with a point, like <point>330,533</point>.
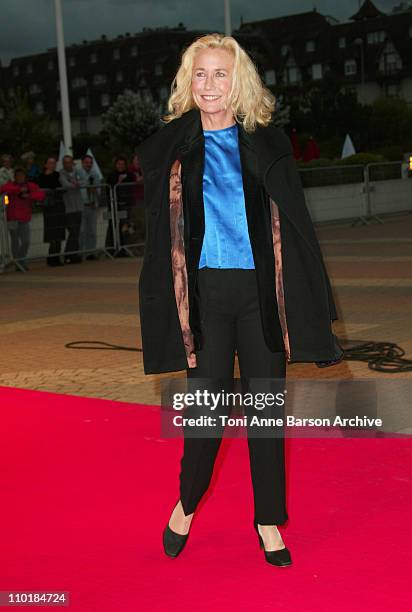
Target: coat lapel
<point>187,223</point>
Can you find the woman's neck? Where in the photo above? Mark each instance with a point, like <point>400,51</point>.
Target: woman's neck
<point>217,121</point>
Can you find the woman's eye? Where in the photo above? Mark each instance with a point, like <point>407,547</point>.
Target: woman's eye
<point>221,74</point>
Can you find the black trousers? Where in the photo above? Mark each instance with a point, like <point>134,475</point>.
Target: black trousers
<point>230,319</point>
<point>73,224</point>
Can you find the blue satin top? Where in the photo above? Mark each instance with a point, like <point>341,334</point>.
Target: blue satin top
<point>226,242</point>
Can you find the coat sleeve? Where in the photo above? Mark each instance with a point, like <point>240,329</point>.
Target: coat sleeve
<point>35,193</point>
<point>294,180</point>
<point>10,188</point>
<point>282,181</point>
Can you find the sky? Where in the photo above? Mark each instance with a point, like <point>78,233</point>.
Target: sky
<point>27,26</point>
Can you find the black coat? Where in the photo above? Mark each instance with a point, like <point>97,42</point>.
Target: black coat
<point>296,301</point>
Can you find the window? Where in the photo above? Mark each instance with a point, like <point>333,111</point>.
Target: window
<point>390,63</point>
<point>82,103</point>
<point>375,37</point>
<point>351,91</point>
<point>39,108</point>
<point>78,82</point>
<point>163,93</point>
<point>83,127</point>
<point>284,49</point>
<point>393,90</point>
<point>72,61</point>
<point>105,99</point>
<point>270,77</point>
<point>158,69</point>
<point>99,79</point>
<point>292,74</point>
<point>11,92</point>
<point>116,54</point>
<point>133,51</point>
<point>342,42</point>
<point>310,45</point>
<point>34,88</point>
<point>50,65</point>
<point>16,71</point>
<point>119,77</point>
<point>316,71</point>
<point>29,68</point>
<point>350,67</point>
<point>93,58</point>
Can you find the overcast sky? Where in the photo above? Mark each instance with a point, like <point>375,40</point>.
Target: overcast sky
<point>27,26</point>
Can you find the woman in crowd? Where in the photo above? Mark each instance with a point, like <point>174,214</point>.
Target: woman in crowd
<point>22,193</point>
<point>53,212</point>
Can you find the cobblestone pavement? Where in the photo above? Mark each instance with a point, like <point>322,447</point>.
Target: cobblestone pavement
<point>46,308</point>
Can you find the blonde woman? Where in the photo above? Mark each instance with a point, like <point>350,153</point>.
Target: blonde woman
<point>232,265</point>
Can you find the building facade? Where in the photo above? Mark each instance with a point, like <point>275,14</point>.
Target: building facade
<point>370,54</point>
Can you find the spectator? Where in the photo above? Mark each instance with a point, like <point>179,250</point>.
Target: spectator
<point>53,212</point>
<point>73,204</point>
<point>6,170</point>
<point>32,169</point>
<point>119,176</point>
<point>90,197</point>
<point>136,170</point>
<point>21,193</point>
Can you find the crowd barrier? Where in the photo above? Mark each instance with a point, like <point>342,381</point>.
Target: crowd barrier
<point>110,221</point>
<point>72,224</point>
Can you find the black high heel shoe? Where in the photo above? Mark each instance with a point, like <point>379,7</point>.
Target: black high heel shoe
<point>173,543</point>
<point>280,557</point>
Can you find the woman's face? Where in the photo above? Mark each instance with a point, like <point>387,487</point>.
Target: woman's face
<point>212,79</point>
<point>50,164</point>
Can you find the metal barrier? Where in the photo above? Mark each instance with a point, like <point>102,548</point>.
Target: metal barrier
<point>388,182</point>
<point>100,219</point>
<point>130,217</point>
<point>357,192</point>
<point>80,217</point>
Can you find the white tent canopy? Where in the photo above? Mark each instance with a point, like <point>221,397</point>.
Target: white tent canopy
<point>348,148</point>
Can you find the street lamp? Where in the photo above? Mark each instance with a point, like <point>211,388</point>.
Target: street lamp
<point>359,42</point>
<point>64,91</point>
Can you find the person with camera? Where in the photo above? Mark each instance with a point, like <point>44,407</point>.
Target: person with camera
<point>22,193</point>
<point>89,179</point>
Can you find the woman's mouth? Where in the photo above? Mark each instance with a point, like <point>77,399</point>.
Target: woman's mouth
<point>209,98</point>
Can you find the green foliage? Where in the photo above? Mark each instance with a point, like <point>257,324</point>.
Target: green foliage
<point>390,121</point>
<point>130,120</point>
<point>21,129</point>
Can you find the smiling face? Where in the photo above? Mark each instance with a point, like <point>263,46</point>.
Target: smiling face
<point>211,82</point>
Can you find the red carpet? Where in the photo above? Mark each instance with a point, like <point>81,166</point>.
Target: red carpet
<point>87,486</point>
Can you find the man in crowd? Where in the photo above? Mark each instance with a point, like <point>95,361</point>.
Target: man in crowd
<point>73,203</point>
<point>89,178</point>
<point>6,170</point>
<point>120,180</point>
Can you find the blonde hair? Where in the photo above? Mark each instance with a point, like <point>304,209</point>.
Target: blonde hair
<point>251,102</point>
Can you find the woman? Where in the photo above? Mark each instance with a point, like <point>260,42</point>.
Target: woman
<point>53,212</point>
<point>232,263</point>
<point>22,193</point>
<point>32,169</point>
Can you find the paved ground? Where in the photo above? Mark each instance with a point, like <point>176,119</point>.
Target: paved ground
<point>41,311</point>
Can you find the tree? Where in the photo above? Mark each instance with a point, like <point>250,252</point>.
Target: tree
<point>131,119</point>
<point>21,129</point>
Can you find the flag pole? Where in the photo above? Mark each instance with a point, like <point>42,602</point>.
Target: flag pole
<point>228,21</point>
<point>64,92</point>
